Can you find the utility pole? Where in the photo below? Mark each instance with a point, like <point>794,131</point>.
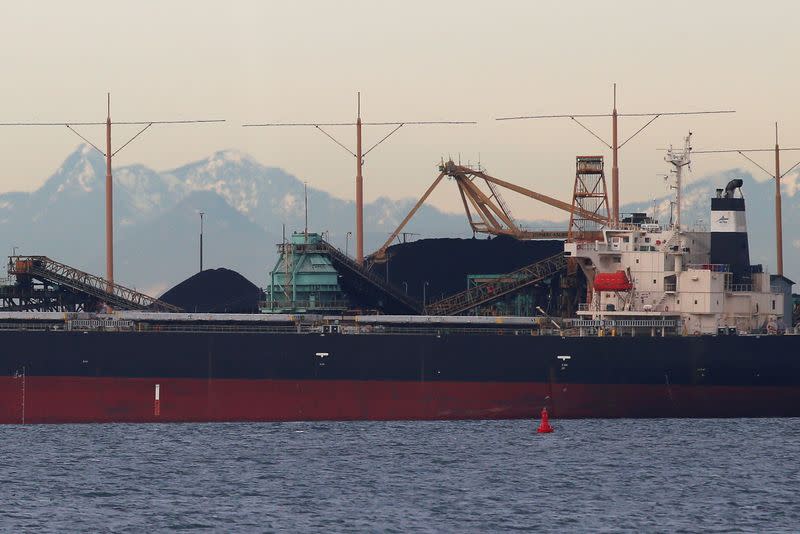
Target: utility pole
<point>109,199</point>
<point>778,208</point>
<point>305,206</point>
<point>359,189</point>
<point>108,154</point>
<point>614,162</point>
<point>615,145</point>
<point>359,155</point>
<point>777,177</point>
<point>201,240</point>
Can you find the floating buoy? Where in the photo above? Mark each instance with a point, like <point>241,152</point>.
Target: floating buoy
<point>545,427</point>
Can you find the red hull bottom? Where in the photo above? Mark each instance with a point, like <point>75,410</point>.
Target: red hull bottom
<point>85,400</point>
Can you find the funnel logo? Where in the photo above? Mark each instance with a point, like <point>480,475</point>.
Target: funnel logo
<point>723,220</point>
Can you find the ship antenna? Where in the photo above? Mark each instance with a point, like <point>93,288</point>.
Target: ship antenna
<point>615,145</point>
<point>359,155</point>
<point>108,154</point>
<point>679,159</point>
<point>776,176</point>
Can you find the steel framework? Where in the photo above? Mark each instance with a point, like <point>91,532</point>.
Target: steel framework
<point>113,294</point>
<point>488,291</point>
<point>588,196</point>
<point>344,263</point>
<point>493,215</point>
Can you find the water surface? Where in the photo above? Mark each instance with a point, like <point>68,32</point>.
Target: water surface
<point>593,475</point>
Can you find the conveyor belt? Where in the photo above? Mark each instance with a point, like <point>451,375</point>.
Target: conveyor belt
<point>115,295</point>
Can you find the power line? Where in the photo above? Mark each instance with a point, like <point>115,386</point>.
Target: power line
<point>396,123</point>
<point>649,114</point>
<point>740,150</point>
<point>139,123</point>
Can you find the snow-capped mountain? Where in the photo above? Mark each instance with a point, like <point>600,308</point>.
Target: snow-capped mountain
<point>247,207</point>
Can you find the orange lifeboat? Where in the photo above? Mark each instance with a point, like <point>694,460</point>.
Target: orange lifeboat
<point>617,281</point>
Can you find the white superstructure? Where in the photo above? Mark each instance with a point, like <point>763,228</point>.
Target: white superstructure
<point>671,276</point>
<point>642,270</point>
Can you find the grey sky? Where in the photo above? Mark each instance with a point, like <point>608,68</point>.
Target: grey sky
<point>286,61</point>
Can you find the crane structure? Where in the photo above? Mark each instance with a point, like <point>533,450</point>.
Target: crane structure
<point>108,154</point>
<point>614,145</point>
<point>494,216</point>
<point>777,175</point>
<point>359,155</point>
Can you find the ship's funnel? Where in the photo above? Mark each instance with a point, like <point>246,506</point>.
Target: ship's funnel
<point>729,231</point>
<point>732,186</point>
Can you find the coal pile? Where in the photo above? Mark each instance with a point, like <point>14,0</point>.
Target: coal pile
<point>215,291</point>
<point>445,263</point>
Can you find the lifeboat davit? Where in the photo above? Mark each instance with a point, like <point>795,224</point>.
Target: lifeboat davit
<point>617,281</point>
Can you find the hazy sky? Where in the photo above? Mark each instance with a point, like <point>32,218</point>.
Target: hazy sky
<point>304,61</point>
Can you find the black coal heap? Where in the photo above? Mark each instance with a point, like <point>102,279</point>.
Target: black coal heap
<point>215,291</point>
<point>445,263</point>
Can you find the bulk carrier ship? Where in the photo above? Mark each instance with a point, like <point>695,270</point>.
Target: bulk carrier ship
<point>672,323</point>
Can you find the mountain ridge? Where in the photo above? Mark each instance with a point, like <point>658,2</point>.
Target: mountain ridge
<point>248,205</point>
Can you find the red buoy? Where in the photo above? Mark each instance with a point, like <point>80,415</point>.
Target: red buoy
<point>545,427</point>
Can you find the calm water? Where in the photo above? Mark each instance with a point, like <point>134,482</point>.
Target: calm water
<point>620,475</point>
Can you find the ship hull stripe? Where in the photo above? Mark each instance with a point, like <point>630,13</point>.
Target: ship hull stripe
<point>43,399</point>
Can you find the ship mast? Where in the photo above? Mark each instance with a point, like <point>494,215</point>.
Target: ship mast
<point>777,177</point>
<point>108,154</point>
<point>679,159</point>
<point>615,145</point>
<point>359,155</point>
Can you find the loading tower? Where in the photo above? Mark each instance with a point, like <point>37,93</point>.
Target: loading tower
<point>589,196</point>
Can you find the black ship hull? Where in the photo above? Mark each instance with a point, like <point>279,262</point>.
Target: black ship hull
<point>130,376</point>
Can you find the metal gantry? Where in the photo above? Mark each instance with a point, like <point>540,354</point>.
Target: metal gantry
<point>590,195</point>
<point>495,217</point>
<point>359,155</point>
<point>489,291</point>
<point>115,295</point>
